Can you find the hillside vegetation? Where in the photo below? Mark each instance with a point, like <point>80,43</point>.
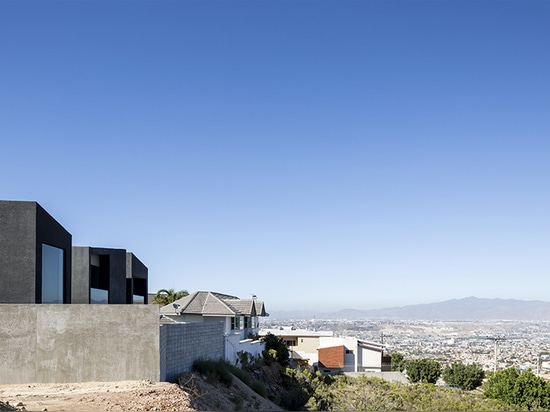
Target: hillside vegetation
<point>340,393</point>
<point>302,390</point>
<point>296,389</point>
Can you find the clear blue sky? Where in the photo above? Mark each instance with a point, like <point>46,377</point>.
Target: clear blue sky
<point>319,154</point>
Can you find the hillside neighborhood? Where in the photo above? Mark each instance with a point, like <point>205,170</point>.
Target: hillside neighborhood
<point>107,285</point>
<point>77,310</point>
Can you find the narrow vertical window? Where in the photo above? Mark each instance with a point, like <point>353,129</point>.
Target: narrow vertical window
<point>52,274</point>
<point>99,278</point>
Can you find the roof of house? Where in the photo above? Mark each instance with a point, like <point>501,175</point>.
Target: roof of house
<point>378,347</point>
<point>242,306</point>
<point>332,357</point>
<point>214,304</point>
<point>260,308</point>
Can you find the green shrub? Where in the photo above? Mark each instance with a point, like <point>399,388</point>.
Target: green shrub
<point>523,389</point>
<point>465,377</point>
<point>423,370</point>
<point>243,375</point>
<point>259,388</point>
<point>341,393</point>
<point>245,360</point>
<point>293,399</point>
<point>215,370</point>
<point>238,401</point>
<point>276,349</point>
<point>397,362</point>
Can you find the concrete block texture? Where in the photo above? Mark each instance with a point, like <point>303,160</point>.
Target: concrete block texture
<point>80,275</point>
<point>78,343</point>
<point>18,260</point>
<point>183,343</point>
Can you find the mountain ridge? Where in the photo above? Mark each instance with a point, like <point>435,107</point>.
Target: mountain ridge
<point>470,308</point>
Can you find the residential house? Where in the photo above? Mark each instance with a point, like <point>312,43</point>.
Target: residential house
<point>240,318</point>
<point>47,286</point>
<point>44,281</point>
<point>302,344</point>
<point>38,263</point>
<point>332,355</point>
<point>35,255</point>
<point>346,354</point>
<point>105,275</point>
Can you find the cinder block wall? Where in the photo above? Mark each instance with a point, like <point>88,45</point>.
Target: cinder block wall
<point>78,343</point>
<point>182,344</point>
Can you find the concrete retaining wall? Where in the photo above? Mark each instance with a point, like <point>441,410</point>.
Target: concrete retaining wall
<point>181,344</point>
<point>78,343</point>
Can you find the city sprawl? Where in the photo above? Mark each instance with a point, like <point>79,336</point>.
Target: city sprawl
<point>520,344</point>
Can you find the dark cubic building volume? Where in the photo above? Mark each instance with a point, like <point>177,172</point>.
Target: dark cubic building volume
<point>38,263</point>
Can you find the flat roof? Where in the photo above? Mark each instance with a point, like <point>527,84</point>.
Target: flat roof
<point>296,332</point>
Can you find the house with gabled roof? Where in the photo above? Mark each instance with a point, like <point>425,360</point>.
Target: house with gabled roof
<point>240,318</point>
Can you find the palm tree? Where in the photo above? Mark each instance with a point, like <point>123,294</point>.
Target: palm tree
<point>167,296</point>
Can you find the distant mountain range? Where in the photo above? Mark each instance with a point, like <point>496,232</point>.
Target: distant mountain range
<point>470,308</point>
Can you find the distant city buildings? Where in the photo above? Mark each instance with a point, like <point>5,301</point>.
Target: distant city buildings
<point>527,344</point>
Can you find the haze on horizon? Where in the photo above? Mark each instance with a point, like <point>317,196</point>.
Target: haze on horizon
<point>321,155</point>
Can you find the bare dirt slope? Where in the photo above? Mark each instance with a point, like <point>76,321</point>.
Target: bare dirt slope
<point>194,394</point>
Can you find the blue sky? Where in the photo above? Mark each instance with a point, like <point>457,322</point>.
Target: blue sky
<point>319,154</point>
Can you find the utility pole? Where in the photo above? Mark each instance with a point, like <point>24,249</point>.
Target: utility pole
<point>496,339</point>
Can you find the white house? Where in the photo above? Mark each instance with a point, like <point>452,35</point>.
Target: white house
<point>240,317</point>
<point>330,354</point>
<point>345,354</point>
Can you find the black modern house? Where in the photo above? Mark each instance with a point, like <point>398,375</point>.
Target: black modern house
<point>38,263</point>
<point>35,255</point>
<point>104,275</point>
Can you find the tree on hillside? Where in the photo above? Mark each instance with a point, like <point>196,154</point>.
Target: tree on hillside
<point>397,362</point>
<point>166,296</point>
<point>500,385</point>
<point>531,391</point>
<point>524,389</point>
<point>466,377</point>
<point>423,370</point>
<point>275,348</point>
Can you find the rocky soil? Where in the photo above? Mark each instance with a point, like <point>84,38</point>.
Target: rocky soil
<point>194,393</point>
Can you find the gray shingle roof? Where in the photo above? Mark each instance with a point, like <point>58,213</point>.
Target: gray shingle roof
<point>260,308</point>
<point>245,307</point>
<point>214,304</point>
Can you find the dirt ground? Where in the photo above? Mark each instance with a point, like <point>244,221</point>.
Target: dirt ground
<point>195,394</point>
<point>98,396</point>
